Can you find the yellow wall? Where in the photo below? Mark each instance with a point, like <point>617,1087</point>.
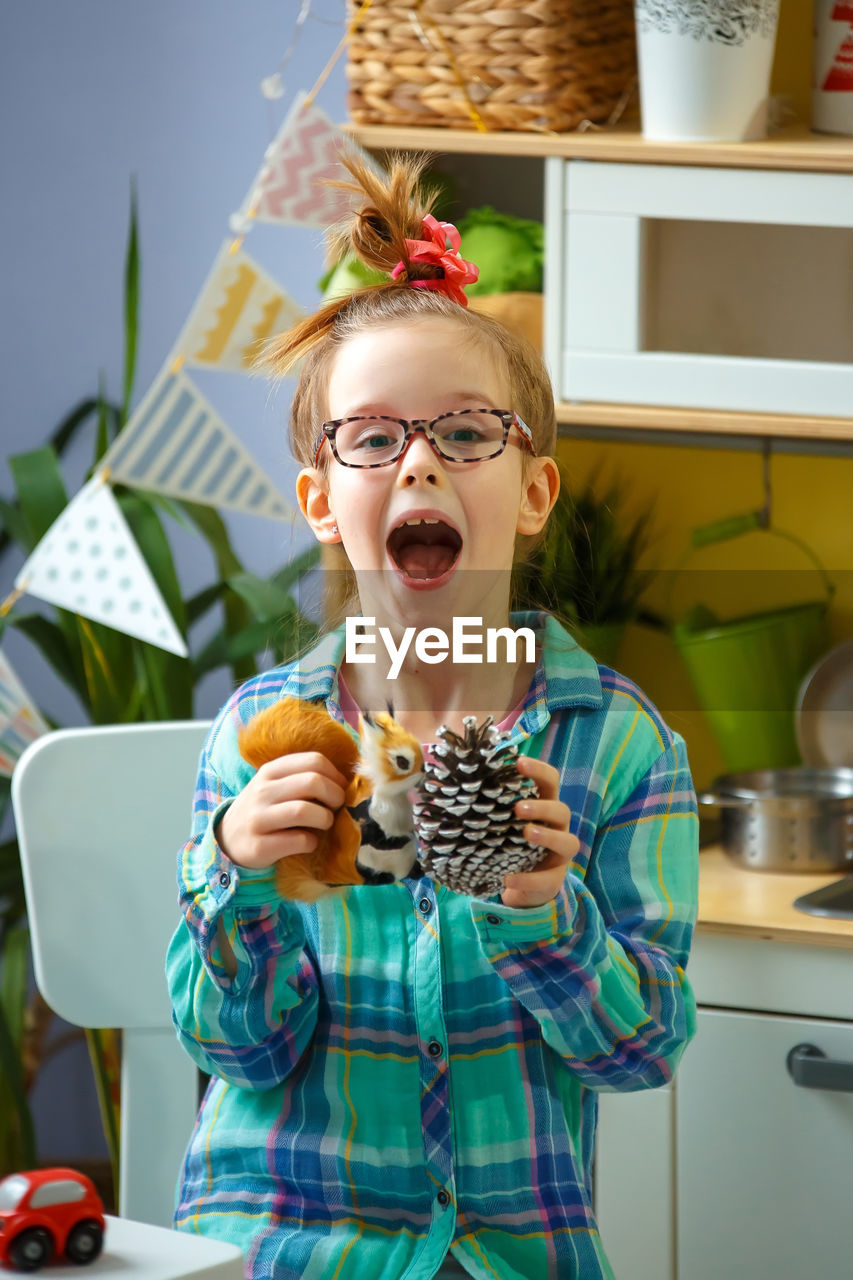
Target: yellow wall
<point>686,487</point>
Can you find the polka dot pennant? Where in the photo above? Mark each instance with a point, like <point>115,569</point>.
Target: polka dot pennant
<point>88,562</point>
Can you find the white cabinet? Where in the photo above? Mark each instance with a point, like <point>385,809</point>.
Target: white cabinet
<point>714,288</point>
<point>765,1166</point>
<point>734,1170</point>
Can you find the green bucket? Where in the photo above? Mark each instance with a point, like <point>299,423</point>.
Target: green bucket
<point>747,672</point>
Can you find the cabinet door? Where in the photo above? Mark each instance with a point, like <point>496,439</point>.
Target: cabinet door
<point>765,1166</point>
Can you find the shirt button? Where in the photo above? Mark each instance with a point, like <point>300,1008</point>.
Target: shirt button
<point>494,920</point>
<point>425,906</point>
<point>443,1198</point>
<point>225,879</point>
<point>434,1049</point>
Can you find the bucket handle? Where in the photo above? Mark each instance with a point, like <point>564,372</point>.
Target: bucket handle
<point>733,527</point>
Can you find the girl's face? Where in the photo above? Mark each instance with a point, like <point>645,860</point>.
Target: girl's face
<point>418,526</point>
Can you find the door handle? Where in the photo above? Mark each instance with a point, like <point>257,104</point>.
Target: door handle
<point>809,1067</point>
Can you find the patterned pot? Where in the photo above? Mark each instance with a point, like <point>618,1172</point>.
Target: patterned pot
<point>705,68</point>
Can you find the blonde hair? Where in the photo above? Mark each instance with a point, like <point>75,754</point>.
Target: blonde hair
<point>391,211</point>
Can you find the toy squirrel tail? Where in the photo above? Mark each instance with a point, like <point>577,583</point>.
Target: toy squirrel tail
<point>293,726</point>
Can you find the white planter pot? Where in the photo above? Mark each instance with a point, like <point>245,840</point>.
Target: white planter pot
<point>705,68</point>
<point>832,94</point>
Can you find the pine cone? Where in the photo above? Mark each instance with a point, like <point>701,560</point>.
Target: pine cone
<point>468,834</point>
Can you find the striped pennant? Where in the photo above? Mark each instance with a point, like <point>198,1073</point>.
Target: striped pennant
<point>176,443</point>
<point>20,721</point>
<point>88,562</point>
<point>239,307</point>
<point>288,189</point>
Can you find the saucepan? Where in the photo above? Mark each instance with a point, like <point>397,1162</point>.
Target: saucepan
<point>795,819</point>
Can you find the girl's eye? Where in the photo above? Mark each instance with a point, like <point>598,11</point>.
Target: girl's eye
<point>368,438</point>
<point>464,435</point>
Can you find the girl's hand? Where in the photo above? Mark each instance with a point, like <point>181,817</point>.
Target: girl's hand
<point>547,825</point>
<point>280,810</point>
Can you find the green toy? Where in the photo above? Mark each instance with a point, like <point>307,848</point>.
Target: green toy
<point>509,252</point>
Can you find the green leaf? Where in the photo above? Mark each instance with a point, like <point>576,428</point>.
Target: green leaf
<point>212,527</point>
<point>228,649</point>
<point>19,1135</point>
<point>151,539</point>
<point>131,306</point>
<point>95,1039</point>
<point>14,525</point>
<point>198,605</point>
<point>102,442</point>
<point>52,642</point>
<point>41,492</point>
<point>267,601</point>
<point>11,880</point>
<point>14,979</point>
<point>108,669</point>
<point>289,574</point>
<point>62,435</point>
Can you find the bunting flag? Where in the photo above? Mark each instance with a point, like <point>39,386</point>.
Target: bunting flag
<point>289,188</point>
<point>88,562</point>
<point>239,307</point>
<point>20,722</point>
<point>176,443</point>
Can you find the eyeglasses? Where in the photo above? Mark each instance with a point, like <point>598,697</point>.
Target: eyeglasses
<point>466,435</point>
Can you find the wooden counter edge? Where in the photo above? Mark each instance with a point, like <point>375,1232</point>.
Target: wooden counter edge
<point>739,903</point>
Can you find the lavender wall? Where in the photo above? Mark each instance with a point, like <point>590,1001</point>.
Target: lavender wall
<point>92,92</point>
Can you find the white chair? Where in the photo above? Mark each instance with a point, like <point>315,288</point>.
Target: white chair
<point>101,813</point>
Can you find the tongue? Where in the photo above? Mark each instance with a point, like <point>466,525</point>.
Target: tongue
<point>420,560</point>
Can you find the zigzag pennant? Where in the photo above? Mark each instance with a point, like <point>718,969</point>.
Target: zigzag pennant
<point>288,188</point>
<point>238,308</point>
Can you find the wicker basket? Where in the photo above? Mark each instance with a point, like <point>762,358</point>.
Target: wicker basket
<point>545,65</point>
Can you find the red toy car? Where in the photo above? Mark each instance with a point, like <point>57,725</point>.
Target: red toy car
<point>46,1213</point>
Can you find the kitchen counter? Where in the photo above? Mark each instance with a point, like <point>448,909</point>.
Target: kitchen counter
<point>758,904</point>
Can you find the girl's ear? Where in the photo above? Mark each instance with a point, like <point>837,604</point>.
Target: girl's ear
<point>539,488</point>
<point>312,494</point>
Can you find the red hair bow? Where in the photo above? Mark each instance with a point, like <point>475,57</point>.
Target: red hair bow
<point>441,250</point>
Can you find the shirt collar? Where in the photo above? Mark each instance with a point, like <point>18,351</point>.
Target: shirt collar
<point>566,675</point>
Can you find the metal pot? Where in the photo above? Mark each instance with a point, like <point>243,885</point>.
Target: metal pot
<point>786,819</point>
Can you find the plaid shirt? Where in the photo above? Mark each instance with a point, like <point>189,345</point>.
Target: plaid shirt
<point>400,1070</point>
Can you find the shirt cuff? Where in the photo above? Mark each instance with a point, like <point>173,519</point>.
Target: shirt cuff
<point>230,886</point>
<point>520,926</point>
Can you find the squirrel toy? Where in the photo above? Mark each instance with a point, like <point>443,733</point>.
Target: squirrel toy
<point>371,840</point>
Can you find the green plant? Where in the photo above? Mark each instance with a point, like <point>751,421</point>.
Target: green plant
<point>117,679</point>
<point>586,565</point>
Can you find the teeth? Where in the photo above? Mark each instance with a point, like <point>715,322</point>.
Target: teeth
<point>422,520</point>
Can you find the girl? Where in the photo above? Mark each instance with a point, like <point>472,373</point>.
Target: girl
<point>404,1079</point>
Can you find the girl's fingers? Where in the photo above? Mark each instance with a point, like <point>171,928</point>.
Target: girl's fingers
<point>546,777</point>
<point>560,844</point>
<point>293,814</point>
<point>302,762</point>
<point>552,812</point>
<point>298,786</point>
<point>284,844</point>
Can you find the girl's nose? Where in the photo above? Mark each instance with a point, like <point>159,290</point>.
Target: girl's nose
<point>419,463</point>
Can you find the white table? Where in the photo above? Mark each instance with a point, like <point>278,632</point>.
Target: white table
<point>137,1251</point>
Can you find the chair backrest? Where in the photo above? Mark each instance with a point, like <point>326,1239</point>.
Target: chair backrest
<point>101,813</point>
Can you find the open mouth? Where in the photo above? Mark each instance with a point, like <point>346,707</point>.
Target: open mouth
<point>424,549</point>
